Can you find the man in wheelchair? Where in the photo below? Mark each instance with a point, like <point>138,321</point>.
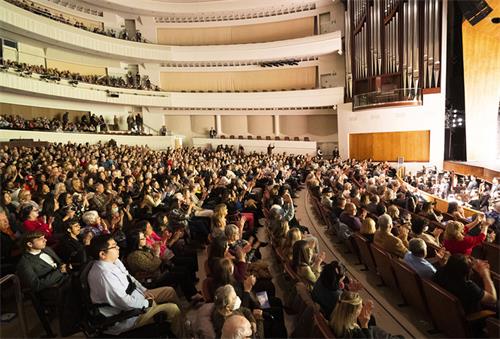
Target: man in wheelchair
<point>114,291</point>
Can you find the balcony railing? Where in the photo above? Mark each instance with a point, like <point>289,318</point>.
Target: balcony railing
<point>397,97</point>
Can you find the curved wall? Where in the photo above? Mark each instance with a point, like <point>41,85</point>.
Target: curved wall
<point>22,22</point>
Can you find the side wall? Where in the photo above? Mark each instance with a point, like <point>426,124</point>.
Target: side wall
<point>429,117</point>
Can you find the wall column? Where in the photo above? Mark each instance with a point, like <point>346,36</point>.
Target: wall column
<point>276,125</point>
<point>218,124</point>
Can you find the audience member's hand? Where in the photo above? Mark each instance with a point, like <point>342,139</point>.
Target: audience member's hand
<point>320,257</point>
<point>257,313</point>
<point>249,282</point>
<point>481,267</point>
<point>354,285</point>
<point>437,232</point>
<point>403,232</point>
<point>366,312</point>
<point>240,255</point>
<point>149,295</point>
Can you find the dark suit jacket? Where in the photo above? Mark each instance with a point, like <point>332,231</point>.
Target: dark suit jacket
<point>36,274</point>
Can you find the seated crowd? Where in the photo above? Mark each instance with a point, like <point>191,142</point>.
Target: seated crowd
<point>32,7</point>
<point>88,123</point>
<point>369,200</point>
<point>460,190</point>
<point>129,81</point>
<point>142,215</point>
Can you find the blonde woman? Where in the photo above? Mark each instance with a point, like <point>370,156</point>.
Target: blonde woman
<point>368,228</point>
<point>218,220</point>
<point>278,236</point>
<point>292,237</point>
<point>456,239</point>
<point>351,316</point>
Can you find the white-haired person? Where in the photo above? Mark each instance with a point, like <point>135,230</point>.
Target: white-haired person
<point>94,223</point>
<point>383,237</point>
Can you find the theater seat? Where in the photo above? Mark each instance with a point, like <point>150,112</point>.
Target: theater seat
<point>305,308</point>
<point>447,312</point>
<point>365,252</point>
<point>384,267</point>
<point>493,327</point>
<point>411,287</point>
<point>492,254</point>
<point>321,329</point>
<point>207,288</point>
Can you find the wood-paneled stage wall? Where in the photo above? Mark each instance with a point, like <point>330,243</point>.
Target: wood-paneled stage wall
<point>414,146</point>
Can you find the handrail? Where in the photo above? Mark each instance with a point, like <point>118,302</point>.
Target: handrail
<point>151,129</point>
<point>19,300</point>
<point>396,97</point>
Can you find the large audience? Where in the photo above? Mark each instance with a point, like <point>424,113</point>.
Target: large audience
<point>142,215</point>
<point>129,81</point>
<point>32,7</point>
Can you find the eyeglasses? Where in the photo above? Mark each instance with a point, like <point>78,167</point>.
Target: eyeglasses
<point>110,248</point>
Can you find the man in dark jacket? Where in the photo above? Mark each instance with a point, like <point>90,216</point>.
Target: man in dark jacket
<point>40,270</point>
<point>39,267</point>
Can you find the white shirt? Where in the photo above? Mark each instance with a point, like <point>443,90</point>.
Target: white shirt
<point>108,284</point>
<point>45,257</point>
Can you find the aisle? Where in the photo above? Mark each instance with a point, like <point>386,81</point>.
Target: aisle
<point>389,316</point>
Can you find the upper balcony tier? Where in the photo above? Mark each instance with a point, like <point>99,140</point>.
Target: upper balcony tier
<point>22,22</point>
<point>33,86</point>
<point>165,7</point>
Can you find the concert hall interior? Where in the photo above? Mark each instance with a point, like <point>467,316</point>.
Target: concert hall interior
<point>250,168</point>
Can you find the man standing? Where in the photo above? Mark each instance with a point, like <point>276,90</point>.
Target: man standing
<point>212,133</point>
<point>116,290</point>
<point>270,149</point>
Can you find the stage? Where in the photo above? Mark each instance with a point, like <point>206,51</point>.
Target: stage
<point>481,169</point>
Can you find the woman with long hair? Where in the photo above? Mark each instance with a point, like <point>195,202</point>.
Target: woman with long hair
<point>351,318</point>
<point>305,263</point>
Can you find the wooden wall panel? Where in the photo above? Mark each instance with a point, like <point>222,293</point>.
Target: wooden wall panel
<point>414,146</point>
<point>244,34</point>
<point>266,79</point>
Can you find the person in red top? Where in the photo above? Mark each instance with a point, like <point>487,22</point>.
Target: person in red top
<point>456,239</point>
<point>33,223</point>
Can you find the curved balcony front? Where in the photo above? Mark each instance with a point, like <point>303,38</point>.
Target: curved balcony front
<point>22,22</point>
<point>13,82</point>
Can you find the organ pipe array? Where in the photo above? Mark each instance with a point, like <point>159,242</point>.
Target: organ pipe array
<point>392,44</point>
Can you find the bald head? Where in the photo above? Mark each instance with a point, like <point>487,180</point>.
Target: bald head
<point>236,327</point>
